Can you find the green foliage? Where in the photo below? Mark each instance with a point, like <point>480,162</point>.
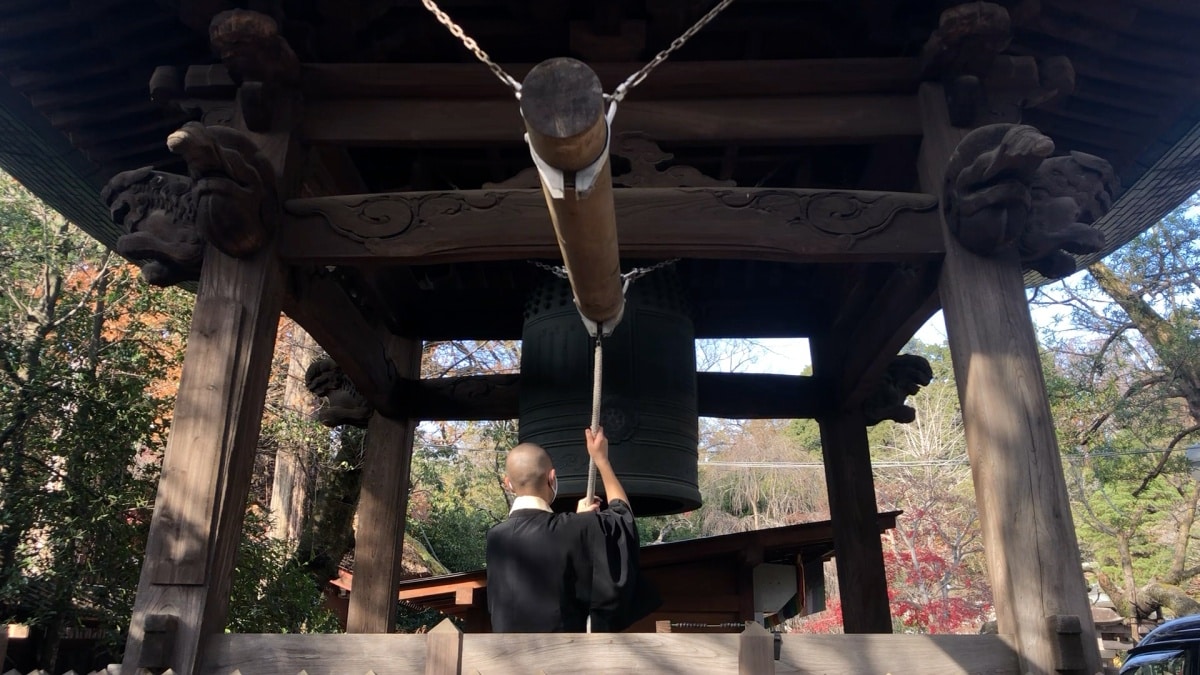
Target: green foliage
<point>271,592</point>
<point>457,495</point>
<point>87,354</point>
<point>1123,374</point>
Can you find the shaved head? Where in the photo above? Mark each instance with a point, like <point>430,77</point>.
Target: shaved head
<point>528,468</point>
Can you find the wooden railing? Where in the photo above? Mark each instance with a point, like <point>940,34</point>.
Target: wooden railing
<point>446,651</point>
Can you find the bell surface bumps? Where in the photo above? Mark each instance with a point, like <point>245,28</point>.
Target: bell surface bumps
<point>648,407</point>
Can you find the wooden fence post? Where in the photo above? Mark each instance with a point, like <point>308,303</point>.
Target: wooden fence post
<point>756,651</point>
<point>443,649</point>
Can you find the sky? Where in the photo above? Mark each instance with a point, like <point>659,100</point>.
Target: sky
<point>790,356</point>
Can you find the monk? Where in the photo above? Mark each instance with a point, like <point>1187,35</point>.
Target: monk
<point>549,572</point>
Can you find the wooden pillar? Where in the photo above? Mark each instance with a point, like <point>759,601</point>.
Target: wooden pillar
<point>382,509</point>
<point>563,107</point>
<point>1029,537</point>
<point>183,593</point>
<point>858,550</point>
<point>206,471</point>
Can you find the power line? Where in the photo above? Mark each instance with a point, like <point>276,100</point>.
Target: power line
<point>878,464</point>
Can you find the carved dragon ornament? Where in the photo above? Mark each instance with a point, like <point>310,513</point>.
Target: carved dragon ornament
<point>905,376</point>
<point>1004,191</point>
<point>343,403</point>
<point>227,199</point>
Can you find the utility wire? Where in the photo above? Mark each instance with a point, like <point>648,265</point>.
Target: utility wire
<point>878,464</point>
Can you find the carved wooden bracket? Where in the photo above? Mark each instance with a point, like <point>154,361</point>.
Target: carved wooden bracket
<point>644,157</point>
<point>982,86</point>
<point>344,405</point>
<point>1002,190</point>
<point>905,376</point>
<point>968,38</point>
<point>259,60</point>
<point>228,199</point>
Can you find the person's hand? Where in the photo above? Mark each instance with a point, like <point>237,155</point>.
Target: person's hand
<point>585,507</point>
<point>597,445</point>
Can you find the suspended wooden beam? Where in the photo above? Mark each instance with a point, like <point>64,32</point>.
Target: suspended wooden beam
<point>854,118</point>
<point>786,225</point>
<point>563,108</point>
<point>727,395</point>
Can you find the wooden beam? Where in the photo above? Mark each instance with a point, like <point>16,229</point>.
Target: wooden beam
<point>673,79</point>
<point>848,478</point>
<point>1025,514</point>
<point>786,225</point>
<point>320,305</point>
<point>197,523</point>
<point>696,654</point>
<point>728,395</point>
<point>904,303</point>
<point>206,468</point>
<point>382,510</point>
<point>799,120</point>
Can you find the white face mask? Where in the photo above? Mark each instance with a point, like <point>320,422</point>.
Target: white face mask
<point>555,488</point>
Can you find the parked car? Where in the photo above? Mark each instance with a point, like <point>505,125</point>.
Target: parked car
<point>1171,649</point>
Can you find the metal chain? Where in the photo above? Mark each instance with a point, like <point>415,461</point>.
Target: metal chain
<point>630,276</point>
<point>557,270</point>
<point>618,94</point>
<point>635,79</point>
<point>472,46</point>
<point>639,272</point>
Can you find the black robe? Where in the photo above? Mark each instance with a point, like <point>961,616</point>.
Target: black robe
<point>547,571</point>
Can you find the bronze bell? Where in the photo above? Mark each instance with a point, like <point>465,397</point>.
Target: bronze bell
<point>648,408</point>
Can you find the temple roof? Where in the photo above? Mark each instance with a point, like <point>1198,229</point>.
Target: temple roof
<point>75,109</point>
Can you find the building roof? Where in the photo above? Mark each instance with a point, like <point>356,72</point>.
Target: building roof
<point>75,109</point>
<point>456,594</point>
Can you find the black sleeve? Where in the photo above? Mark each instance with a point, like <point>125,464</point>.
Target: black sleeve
<point>619,594</point>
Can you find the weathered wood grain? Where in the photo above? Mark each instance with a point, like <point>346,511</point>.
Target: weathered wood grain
<point>207,465</point>
<point>562,654</point>
<point>562,105</point>
<point>897,655</point>
<point>756,651</point>
<point>444,646</point>
<point>786,225</point>
<point>665,653</point>
<point>859,118</point>
<point>1029,537</point>
<point>858,550</point>
<point>315,654</point>
<point>382,511</point>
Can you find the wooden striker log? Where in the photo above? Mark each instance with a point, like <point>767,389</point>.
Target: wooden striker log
<point>563,107</point>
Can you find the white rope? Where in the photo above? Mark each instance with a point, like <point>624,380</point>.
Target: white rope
<point>597,384</point>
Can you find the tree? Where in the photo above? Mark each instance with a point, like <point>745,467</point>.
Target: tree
<point>934,556</point>
<point>87,360</point>
<point>1125,364</point>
